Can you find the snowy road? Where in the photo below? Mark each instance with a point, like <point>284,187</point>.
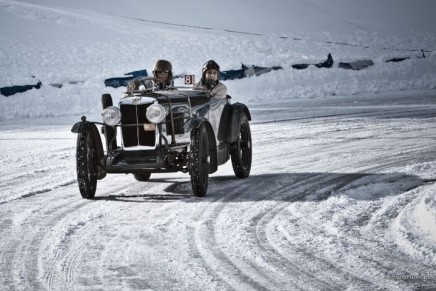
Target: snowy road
<point>341,196</point>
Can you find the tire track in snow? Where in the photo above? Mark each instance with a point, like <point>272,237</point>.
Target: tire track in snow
<point>345,179</point>
<point>111,198</point>
<point>30,243</point>
<point>208,246</point>
<point>41,220</point>
<point>415,220</point>
<point>64,264</point>
<point>373,260</point>
<point>242,274</point>
<point>368,248</point>
<point>396,160</point>
<point>73,248</point>
<point>238,275</point>
<point>317,275</point>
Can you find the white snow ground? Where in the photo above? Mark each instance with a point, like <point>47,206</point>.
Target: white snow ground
<point>342,190</point>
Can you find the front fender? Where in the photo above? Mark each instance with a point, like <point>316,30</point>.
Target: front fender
<point>196,123</point>
<point>81,126</point>
<point>89,127</point>
<point>237,110</point>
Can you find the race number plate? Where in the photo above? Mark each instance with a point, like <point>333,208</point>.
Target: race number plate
<point>189,79</point>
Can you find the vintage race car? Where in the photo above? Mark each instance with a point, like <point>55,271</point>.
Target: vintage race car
<point>179,129</point>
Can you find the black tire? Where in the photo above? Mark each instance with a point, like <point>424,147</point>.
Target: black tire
<point>199,161</point>
<point>111,141</point>
<point>87,160</point>
<point>142,177</point>
<point>241,150</point>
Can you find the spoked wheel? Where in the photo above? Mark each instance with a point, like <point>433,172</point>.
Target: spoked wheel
<point>241,150</point>
<point>199,161</point>
<point>142,177</point>
<point>87,161</point>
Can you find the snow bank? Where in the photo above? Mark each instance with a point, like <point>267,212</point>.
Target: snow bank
<point>64,41</point>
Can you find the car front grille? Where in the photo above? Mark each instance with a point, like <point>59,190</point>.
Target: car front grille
<point>132,121</point>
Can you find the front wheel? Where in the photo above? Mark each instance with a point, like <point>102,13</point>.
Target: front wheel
<point>87,160</point>
<point>241,150</point>
<point>199,161</point>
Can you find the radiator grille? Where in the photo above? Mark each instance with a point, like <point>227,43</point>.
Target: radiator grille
<point>134,135</point>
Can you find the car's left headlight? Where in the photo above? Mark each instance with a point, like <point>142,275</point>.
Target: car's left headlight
<point>156,113</point>
<point>111,115</point>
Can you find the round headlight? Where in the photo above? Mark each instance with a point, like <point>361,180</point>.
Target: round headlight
<point>111,115</point>
<point>155,113</point>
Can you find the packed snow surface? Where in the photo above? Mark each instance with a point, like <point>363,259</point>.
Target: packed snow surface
<point>341,194</point>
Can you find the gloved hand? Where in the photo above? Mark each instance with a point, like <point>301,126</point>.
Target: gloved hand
<point>210,84</point>
<point>133,85</point>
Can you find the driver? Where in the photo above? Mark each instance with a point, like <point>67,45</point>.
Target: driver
<point>210,80</point>
<point>161,80</point>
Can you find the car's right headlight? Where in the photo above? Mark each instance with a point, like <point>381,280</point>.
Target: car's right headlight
<point>111,115</point>
<point>156,113</point>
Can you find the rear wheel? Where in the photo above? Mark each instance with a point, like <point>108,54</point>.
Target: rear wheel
<point>199,161</point>
<point>241,150</point>
<point>86,157</point>
<point>142,177</point>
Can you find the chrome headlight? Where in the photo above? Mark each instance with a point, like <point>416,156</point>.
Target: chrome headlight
<point>111,115</point>
<point>156,113</point>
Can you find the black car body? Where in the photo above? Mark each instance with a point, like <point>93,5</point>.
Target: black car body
<point>164,131</point>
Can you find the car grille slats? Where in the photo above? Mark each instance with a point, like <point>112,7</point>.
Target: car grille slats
<point>132,121</point>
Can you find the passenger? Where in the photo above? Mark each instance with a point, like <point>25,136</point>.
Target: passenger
<point>161,80</point>
<point>210,80</point>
